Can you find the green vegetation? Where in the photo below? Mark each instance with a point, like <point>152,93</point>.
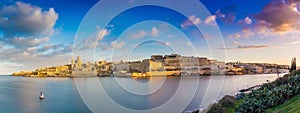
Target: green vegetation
<point>270,95</point>
<point>278,96</point>
<point>231,109</point>
<point>225,105</point>
<point>291,106</point>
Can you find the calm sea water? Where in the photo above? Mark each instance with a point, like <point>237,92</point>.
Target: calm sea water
<point>20,94</point>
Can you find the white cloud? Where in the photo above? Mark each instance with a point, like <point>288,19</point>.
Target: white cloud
<point>247,47</point>
<point>189,43</point>
<point>22,41</point>
<point>33,57</point>
<point>247,20</point>
<point>26,19</point>
<point>154,31</point>
<point>236,43</point>
<point>24,29</point>
<point>104,46</point>
<point>195,20</point>
<point>115,44</point>
<point>142,33</point>
<point>293,43</point>
<point>112,45</point>
<point>25,26</point>
<point>210,20</point>
<point>10,64</point>
<point>1,45</point>
<point>52,46</point>
<point>61,50</point>
<point>235,35</point>
<point>192,20</point>
<point>9,67</point>
<point>279,17</point>
<point>138,35</point>
<point>47,47</point>
<point>92,40</point>
<point>254,46</point>
<point>245,33</point>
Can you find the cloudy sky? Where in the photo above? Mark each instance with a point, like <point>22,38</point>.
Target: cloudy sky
<point>37,33</point>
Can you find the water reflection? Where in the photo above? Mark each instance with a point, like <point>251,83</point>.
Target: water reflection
<point>20,94</point>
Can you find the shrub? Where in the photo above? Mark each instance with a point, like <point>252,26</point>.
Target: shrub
<point>227,101</point>
<point>270,94</point>
<point>217,108</point>
<point>220,107</point>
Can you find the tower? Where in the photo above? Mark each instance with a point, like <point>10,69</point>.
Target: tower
<point>72,62</point>
<point>78,63</point>
<point>293,64</point>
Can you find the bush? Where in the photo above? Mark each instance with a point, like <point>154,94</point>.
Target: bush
<point>217,108</point>
<point>227,101</point>
<point>220,107</point>
<point>270,94</point>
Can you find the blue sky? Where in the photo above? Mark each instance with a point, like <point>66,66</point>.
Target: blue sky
<point>36,33</point>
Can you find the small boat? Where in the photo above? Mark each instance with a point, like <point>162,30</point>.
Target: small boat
<point>41,96</point>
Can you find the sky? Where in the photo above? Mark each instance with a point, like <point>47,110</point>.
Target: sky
<point>42,33</point>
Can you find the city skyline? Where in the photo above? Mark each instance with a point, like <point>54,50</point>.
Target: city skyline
<point>157,65</point>
<point>36,34</point>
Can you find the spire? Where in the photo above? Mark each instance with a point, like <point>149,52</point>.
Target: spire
<point>72,60</point>
<point>78,59</point>
<point>78,63</point>
<point>72,63</point>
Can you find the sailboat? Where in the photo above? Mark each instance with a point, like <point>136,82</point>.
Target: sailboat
<point>42,96</point>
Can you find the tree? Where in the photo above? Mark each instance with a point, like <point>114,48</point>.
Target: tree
<point>293,64</point>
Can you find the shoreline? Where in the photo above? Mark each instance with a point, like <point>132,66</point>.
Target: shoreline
<point>222,103</point>
<point>83,76</point>
<point>202,109</point>
<point>234,94</point>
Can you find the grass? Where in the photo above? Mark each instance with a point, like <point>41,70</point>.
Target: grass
<point>231,109</point>
<point>291,106</point>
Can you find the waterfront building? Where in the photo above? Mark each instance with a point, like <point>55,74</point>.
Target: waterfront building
<point>79,68</point>
<point>189,65</point>
<point>103,68</point>
<point>121,69</point>
<point>135,66</point>
<point>212,61</point>
<point>253,69</point>
<point>229,66</point>
<point>221,67</point>
<point>24,73</point>
<point>150,65</point>
<point>235,71</point>
<point>158,58</point>
<point>188,61</point>
<point>203,61</point>
<point>78,64</point>
<point>269,70</point>
<point>53,71</point>
<point>173,64</point>
<point>156,68</point>
<point>172,60</point>
<point>88,66</point>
